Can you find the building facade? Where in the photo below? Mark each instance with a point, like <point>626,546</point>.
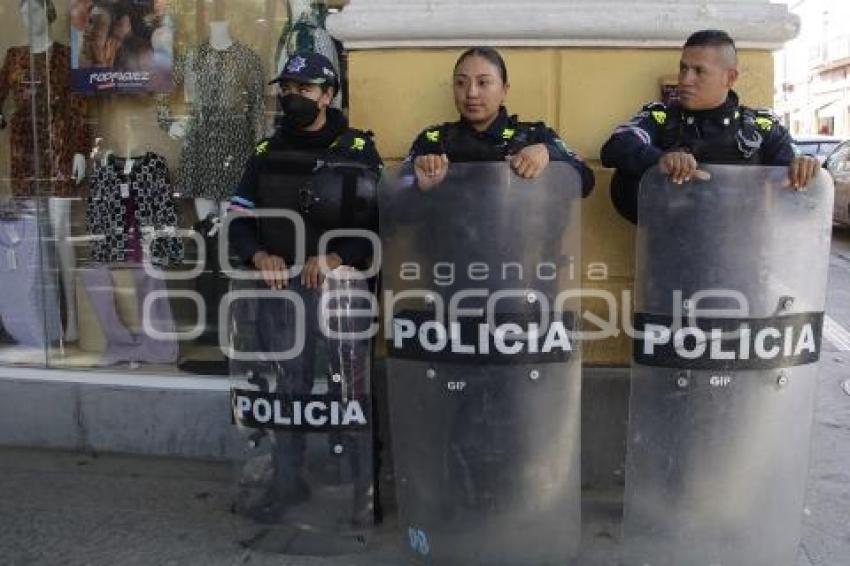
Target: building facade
<point>812,93</point>
<point>581,67</point>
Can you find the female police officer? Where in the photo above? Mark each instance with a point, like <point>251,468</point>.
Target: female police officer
<point>285,175</point>
<point>485,131</point>
<point>472,460</point>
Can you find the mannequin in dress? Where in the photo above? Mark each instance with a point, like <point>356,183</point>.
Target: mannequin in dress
<point>64,137</point>
<point>37,15</point>
<point>220,40</point>
<point>221,47</point>
<point>220,35</point>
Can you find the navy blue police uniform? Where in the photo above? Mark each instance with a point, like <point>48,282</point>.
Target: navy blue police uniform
<point>283,171</point>
<point>282,165</point>
<point>728,134</point>
<point>506,136</point>
<point>273,179</point>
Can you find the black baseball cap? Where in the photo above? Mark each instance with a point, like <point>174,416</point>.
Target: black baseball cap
<point>308,68</point>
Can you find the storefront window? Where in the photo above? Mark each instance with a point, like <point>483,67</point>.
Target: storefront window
<point>126,128</point>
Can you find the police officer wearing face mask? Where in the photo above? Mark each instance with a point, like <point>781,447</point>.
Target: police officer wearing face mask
<point>309,132</point>
<point>313,153</point>
<point>707,125</point>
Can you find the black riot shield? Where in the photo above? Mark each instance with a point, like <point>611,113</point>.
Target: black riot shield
<point>300,365</point>
<point>730,294</point>
<point>483,363</point>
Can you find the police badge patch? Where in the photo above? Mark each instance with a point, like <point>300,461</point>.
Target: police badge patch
<point>296,65</point>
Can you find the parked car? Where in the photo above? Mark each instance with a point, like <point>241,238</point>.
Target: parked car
<point>838,165</point>
<point>817,146</point>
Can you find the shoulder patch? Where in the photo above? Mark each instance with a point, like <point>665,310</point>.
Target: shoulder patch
<point>352,139</point>
<point>434,133</point>
<point>657,110</point>
<point>508,133</point>
<point>765,118</point>
<point>764,123</point>
<point>262,147</point>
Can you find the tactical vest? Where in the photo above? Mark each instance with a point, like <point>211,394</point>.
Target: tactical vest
<point>326,193</point>
<point>281,176</point>
<point>462,145</point>
<point>341,195</point>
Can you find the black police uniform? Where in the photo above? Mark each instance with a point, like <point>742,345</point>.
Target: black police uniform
<point>728,134</point>
<point>462,143</point>
<point>275,177</point>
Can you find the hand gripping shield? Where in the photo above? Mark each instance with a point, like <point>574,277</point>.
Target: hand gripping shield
<point>730,294</point>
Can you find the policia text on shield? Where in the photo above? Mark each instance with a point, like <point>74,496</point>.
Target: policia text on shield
<point>301,383</point>
<point>721,404</point>
<point>471,458</point>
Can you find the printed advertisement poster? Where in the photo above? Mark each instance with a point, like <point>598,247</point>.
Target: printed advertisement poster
<point>121,46</point>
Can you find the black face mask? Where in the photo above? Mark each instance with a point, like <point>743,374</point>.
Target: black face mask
<point>298,111</point>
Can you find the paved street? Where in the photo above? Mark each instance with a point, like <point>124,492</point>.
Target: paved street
<point>60,508</point>
<point>826,539</point>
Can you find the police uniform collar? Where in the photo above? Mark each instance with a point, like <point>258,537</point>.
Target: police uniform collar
<point>724,114</point>
<point>289,137</point>
<point>495,129</point>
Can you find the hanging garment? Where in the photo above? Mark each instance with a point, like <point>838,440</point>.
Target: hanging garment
<point>305,31</point>
<point>29,303</point>
<point>225,92</point>
<point>212,284</point>
<point>61,121</point>
<point>130,208</point>
<point>122,344</point>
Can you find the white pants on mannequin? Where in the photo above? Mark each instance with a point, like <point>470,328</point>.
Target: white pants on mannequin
<point>205,206</point>
<point>59,210</point>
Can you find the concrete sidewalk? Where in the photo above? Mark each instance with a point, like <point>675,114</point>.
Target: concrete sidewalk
<point>62,508</point>
<point>73,509</point>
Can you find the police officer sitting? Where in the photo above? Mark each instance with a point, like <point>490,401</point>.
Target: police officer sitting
<point>707,125</point>
<point>485,131</point>
<point>310,132</point>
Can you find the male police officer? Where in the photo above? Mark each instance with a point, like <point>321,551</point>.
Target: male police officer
<point>284,174</point>
<point>707,125</point>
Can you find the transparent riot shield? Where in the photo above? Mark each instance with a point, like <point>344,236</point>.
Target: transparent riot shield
<point>484,369</point>
<point>300,364</point>
<point>730,294</point>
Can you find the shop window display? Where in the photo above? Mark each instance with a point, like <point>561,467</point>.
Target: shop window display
<point>126,126</point>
